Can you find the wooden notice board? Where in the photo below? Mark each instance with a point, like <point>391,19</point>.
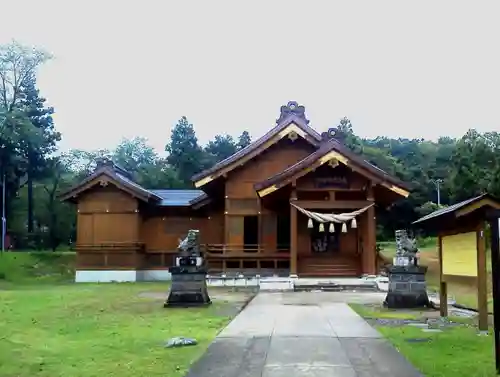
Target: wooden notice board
<point>460,254</point>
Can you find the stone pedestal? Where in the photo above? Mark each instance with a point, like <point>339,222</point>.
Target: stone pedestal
<point>189,288</point>
<point>407,288</point>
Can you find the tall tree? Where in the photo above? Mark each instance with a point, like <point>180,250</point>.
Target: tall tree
<point>36,151</point>
<point>184,153</point>
<point>18,65</point>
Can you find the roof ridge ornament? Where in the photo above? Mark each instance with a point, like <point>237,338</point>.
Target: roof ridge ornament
<point>292,108</point>
<point>333,133</point>
<point>106,162</point>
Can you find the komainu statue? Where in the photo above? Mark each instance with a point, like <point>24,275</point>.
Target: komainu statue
<point>189,284</point>
<point>407,288</point>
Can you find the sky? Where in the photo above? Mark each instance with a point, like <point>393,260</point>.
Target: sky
<point>132,68</point>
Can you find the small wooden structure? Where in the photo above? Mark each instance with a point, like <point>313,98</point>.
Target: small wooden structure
<point>462,247</point>
<point>243,209</point>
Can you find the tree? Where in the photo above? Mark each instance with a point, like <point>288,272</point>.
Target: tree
<point>148,169</point>
<point>56,220</point>
<point>474,162</point>
<point>220,148</point>
<point>36,150</point>
<point>244,140</point>
<point>184,153</point>
<point>134,154</point>
<point>345,133</point>
<point>82,163</point>
<point>18,65</point>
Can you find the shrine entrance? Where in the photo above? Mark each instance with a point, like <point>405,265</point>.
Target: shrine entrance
<point>323,241</point>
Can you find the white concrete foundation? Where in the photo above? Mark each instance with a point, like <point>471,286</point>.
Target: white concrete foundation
<point>154,275</point>
<point>121,276</point>
<point>105,276</point>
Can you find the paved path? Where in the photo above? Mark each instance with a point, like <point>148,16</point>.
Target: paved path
<point>292,334</point>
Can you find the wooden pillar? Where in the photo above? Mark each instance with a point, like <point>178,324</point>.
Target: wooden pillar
<point>369,235</point>
<point>259,225</point>
<point>371,242</point>
<point>482,292</point>
<point>443,289</point>
<point>226,222</point>
<point>494,219</point>
<point>293,235</point>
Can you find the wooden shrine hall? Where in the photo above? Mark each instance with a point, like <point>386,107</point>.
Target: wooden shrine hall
<point>293,202</point>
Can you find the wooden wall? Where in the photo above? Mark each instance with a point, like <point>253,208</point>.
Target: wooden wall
<point>242,199</point>
<point>240,182</point>
<point>106,214</point>
<point>162,233</point>
<point>114,231</point>
<point>108,225</point>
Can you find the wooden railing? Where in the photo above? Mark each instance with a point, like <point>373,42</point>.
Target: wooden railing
<point>111,246</point>
<point>109,255</point>
<point>227,257</point>
<point>233,249</point>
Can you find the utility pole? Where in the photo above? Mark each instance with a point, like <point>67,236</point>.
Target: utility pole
<point>437,183</point>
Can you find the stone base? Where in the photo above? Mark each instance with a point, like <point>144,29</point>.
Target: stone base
<point>407,288</point>
<point>404,300</point>
<point>188,289</point>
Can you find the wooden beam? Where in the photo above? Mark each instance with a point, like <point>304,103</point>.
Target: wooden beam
<point>396,189</point>
<point>337,189</point>
<point>293,235</point>
<point>482,290</point>
<point>335,204</point>
<point>371,241</point>
<point>443,291</point>
<point>369,191</point>
<point>481,203</point>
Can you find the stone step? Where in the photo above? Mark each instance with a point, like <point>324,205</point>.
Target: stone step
<point>336,287</point>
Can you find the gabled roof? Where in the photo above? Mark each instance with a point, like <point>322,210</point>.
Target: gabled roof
<point>116,175</point>
<point>461,208</point>
<point>292,120</point>
<point>122,179</point>
<point>336,151</point>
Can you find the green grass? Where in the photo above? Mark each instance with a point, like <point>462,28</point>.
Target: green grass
<point>383,313</point>
<point>84,330</point>
<point>457,351</point>
<point>51,327</point>
<point>36,267</point>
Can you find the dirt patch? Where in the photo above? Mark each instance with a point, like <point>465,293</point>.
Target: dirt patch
<point>228,301</point>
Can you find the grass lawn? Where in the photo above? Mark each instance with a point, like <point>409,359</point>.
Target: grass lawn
<point>52,328</point>
<point>457,351</point>
<point>460,288</point>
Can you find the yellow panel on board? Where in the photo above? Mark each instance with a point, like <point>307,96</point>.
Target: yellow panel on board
<point>460,254</point>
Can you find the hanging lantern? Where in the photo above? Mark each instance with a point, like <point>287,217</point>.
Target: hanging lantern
<point>331,229</point>
<point>344,228</point>
<point>309,224</point>
<point>321,227</point>
<point>354,224</point>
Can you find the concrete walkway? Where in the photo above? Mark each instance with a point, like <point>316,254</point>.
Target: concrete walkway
<point>300,334</point>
